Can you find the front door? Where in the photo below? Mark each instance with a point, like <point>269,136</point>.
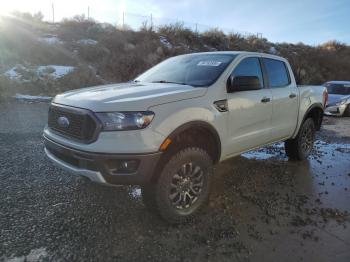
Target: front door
<point>250,111</point>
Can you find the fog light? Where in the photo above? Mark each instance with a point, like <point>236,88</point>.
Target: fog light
<point>128,166</point>
<point>124,166</point>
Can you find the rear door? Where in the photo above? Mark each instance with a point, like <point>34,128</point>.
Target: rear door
<point>285,95</point>
<point>250,111</point>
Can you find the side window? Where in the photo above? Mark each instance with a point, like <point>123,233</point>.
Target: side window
<point>249,67</point>
<point>277,72</point>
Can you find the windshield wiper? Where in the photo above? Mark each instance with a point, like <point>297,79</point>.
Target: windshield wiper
<point>169,82</point>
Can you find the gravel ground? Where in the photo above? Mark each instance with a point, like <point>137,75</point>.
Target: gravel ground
<point>263,207</point>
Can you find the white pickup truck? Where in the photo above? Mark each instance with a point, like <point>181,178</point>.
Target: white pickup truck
<point>167,128</point>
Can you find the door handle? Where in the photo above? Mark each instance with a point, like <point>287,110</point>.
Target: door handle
<point>265,100</point>
<point>292,95</point>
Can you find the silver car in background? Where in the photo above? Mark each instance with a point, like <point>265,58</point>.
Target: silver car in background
<point>338,98</point>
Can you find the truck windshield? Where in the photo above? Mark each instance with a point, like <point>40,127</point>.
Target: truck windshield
<point>192,69</point>
<point>338,89</point>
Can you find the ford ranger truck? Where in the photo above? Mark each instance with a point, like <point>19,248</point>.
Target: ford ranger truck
<point>167,128</point>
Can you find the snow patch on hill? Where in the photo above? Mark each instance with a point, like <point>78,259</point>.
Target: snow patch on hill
<point>87,42</point>
<point>55,71</point>
<point>32,98</point>
<point>273,50</point>
<point>165,42</point>
<point>12,73</point>
<point>51,40</point>
<point>22,73</point>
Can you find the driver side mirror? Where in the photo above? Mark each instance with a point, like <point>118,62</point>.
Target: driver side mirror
<point>243,83</point>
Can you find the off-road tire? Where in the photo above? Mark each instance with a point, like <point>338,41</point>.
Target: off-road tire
<point>157,196</point>
<point>301,146</point>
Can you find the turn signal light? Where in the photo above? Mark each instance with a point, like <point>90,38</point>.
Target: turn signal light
<point>165,144</point>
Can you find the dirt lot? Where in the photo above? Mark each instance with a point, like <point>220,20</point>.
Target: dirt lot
<point>263,207</point>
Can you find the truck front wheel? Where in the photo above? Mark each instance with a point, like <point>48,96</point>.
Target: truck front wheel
<point>182,188</point>
<point>301,146</point>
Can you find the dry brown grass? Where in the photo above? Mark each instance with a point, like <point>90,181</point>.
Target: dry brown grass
<point>121,54</point>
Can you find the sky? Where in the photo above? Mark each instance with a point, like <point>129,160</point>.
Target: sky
<point>309,21</point>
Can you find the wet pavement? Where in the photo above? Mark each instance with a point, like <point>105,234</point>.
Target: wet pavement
<point>263,207</point>
<point>299,211</point>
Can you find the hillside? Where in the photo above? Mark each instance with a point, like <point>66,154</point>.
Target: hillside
<point>39,58</point>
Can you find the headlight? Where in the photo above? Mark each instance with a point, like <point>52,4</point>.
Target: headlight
<point>342,102</point>
<point>345,101</point>
<point>112,121</point>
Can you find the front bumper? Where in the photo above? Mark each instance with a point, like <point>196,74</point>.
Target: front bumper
<point>99,167</point>
<point>335,110</point>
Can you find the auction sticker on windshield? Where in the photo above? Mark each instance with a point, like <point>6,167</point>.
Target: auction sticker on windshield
<point>209,63</point>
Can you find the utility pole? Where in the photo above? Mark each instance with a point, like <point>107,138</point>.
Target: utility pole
<point>53,14</point>
<point>123,20</point>
<point>88,13</point>
<point>151,23</point>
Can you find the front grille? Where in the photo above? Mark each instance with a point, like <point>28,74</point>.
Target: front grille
<point>81,124</point>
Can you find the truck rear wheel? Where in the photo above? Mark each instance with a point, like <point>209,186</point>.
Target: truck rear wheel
<point>182,188</point>
<point>300,147</point>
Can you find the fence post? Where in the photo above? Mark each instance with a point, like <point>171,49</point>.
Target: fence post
<point>53,14</point>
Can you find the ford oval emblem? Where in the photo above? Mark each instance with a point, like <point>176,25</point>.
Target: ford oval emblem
<point>63,121</point>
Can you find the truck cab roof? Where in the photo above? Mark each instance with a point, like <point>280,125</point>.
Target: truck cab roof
<point>241,53</point>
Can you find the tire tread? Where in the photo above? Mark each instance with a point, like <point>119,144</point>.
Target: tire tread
<point>293,146</point>
<point>152,193</point>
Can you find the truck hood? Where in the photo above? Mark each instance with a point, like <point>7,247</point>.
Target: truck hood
<point>128,96</point>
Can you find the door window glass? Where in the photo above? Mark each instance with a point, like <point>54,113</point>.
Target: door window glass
<point>277,72</point>
<point>249,67</point>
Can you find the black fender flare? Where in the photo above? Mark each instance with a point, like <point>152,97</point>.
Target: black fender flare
<point>312,107</point>
<point>199,124</point>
